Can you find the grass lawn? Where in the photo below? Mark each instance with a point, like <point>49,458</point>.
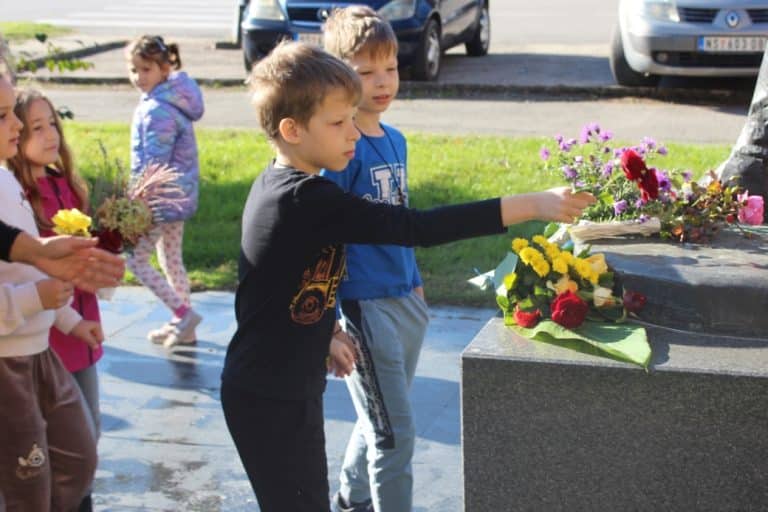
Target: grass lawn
<point>16,31</point>
<point>443,169</point>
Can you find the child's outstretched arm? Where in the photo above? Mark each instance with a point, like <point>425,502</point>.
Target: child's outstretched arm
<point>557,205</point>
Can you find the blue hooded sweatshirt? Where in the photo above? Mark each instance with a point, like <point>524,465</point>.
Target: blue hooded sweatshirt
<point>162,133</point>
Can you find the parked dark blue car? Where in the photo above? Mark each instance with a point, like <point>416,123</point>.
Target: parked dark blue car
<point>424,28</point>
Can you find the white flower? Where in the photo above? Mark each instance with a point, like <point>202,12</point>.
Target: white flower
<point>602,297</point>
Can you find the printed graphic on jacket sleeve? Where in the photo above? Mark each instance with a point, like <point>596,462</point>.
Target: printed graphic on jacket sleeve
<point>317,290</point>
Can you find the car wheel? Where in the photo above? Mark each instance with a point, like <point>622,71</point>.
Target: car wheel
<point>481,41</point>
<point>427,63</point>
<point>620,69</point>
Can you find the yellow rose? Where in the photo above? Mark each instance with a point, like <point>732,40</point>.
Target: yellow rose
<point>510,280</point>
<point>518,244</point>
<point>598,264</point>
<point>559,265</point>
<point>602,296</point>
<point>565,284</point>
<point>71,222</point>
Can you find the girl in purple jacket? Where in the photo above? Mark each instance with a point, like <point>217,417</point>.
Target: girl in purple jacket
<point>162,133</point>
<point>43,166</point>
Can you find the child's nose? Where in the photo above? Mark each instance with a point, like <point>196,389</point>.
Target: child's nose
<point>355,133</point>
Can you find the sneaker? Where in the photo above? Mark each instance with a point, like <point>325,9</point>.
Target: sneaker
<point>158,336</point>
<point>183,330</point>
<point>339,505</point>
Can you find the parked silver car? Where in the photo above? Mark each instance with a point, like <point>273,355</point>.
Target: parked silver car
<point>687,38</point>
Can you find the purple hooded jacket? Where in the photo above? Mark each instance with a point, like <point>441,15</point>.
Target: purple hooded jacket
<point>162,133</point>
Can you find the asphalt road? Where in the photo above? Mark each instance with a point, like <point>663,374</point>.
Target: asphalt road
<point>514,23</point>
<point>538,116</point>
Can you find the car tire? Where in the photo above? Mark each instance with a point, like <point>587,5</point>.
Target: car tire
<point>621,70</point>
<point>481,40</point>
<point>426,66</point>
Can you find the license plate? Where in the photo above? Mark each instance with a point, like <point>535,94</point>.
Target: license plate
<point>732,44</point>
<point>315,38</point>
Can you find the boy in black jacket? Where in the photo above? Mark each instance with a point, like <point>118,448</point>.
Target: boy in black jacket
<point>292,258</point>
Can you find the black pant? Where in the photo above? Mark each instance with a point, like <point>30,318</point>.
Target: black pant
<point>282,446</point>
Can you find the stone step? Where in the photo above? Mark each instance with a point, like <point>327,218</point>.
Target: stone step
<point>717,288</point>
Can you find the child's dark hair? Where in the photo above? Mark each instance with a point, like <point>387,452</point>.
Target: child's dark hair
<point>153,48</point>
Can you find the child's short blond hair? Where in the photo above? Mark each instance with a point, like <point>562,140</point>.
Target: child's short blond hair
<point>293,80</point>
<point>358,29</point>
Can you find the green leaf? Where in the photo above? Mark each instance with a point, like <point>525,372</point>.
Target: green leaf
<point>622,342</point>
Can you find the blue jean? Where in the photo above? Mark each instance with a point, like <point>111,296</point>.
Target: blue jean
<point>377,462</point>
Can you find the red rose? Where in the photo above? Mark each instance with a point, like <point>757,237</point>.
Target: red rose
<point>632,164</point>
<point>633,301</point>
<point>649,185</point>
<point>569,310</point>
<point>527,318</point>
<point>110,240</point>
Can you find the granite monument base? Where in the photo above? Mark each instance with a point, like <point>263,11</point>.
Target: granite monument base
<point>546,428</point>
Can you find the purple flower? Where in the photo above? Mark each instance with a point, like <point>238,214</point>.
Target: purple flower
<point>687,176</point>
<point>649,142</point>
<point>564,146</point>
<point>544,153</point>
<point>606,136</point>
<point>580,184</point>
<point>664,182</point>
<point>643,218</point>
<point>571,142</point>
<point>662,150</point>
<point>618,152</point>
<point>558,138</point>
<point>569,172</point>
<point>594,127</point>
<point>607,170</point>
<point>620,206</point>
<point>606,150</point>
<point>578,159</point>
<point>585,133</point>
<point>640,203</point>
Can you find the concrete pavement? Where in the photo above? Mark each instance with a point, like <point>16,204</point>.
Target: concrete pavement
<point>165,446</point>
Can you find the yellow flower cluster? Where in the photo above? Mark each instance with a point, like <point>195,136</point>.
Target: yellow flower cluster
<point>551,258</point>
<point>71,222</point>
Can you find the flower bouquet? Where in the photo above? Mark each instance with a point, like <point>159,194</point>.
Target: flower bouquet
<point>635,198</point>
<point>76,223</point>
<point>549,294</point>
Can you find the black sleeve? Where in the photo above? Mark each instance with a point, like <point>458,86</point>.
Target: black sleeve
<point>340,217</point>
<point>8,235</point>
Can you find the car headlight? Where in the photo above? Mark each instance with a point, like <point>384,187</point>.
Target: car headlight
<point>265,10</point>
<point>398,10</point>
<point>662,10</point>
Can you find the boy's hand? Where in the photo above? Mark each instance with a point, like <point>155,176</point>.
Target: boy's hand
<point>54,293</point>
<point>341,360</point>
<point>88,331</point>
<point>419,290</point>
<point>562,205</point>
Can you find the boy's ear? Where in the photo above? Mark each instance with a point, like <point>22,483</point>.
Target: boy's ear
<point>289,130</point>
